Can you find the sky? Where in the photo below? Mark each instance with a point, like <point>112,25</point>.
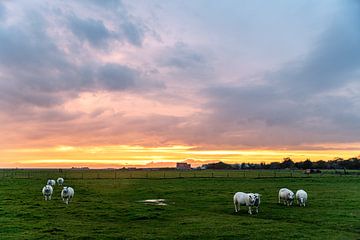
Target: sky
<point>151,82</point>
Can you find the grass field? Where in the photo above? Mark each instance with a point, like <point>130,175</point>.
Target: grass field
<point>198,208</point>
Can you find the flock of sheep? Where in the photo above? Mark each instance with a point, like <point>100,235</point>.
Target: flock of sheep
<point>253,199</point>
<point>67,193</point>
<point>240,198</point>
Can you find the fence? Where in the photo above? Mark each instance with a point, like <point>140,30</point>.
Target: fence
<point>157,174</point>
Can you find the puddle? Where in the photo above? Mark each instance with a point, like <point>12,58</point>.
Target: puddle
<point>158,202</point>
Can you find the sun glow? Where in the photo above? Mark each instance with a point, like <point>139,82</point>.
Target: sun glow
<point>125,155</point>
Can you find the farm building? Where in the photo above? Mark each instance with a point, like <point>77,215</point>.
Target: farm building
<point>183,166</point>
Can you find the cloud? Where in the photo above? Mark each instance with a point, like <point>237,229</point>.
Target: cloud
<point>125,29</point>
<point>90,30</point>
<point>117,77</point>
<point>132,32</point>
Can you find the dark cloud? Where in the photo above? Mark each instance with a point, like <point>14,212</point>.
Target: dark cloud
<point>132,33</point>
<point>127,28</point>
<point>117,77</point>
<point>91,30</point>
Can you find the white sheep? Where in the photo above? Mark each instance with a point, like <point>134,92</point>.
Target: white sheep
<point>301,197</point>
<point>286,195</point>
<point>67,194</point>
<point>51,182</point>
<point>247,199</point>
<point>60,181</point>
<point>47,191</point>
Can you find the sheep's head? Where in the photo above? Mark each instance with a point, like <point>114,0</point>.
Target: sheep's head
<point>47,189</point>
<point>257,198</point>
<point>252,199</point>
<point>65,190</point>
<point>290,196</point>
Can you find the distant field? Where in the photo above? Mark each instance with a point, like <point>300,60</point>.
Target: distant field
<point>199,207</point>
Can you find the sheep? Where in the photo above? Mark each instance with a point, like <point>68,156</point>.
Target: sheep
<point>47,191</point>
<point>51,182</point>
<point>60,181</point>
<point>286,195</point>
<point>247,199</point>
<point>301,197</point>
<point>257,201</point>
<point>67,194</point>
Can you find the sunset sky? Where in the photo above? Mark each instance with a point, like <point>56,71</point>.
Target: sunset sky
<point>123,83</point>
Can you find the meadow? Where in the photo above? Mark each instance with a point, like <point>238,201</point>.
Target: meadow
<point>107,205</point>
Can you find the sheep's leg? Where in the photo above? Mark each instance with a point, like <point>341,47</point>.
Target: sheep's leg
<point>279,200</point>
<point>250,210</point>
<point>235,207</point>
<point>257,209</point>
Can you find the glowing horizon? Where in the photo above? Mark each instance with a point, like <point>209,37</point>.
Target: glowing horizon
<point>120,156</point>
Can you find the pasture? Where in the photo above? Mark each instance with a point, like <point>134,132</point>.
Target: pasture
<point>198,207</point>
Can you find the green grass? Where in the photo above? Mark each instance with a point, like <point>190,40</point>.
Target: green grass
<point>199,208</point>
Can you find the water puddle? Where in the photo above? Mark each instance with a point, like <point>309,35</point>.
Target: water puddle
<point>158,202</point>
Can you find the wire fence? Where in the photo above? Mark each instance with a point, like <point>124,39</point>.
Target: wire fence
<point>161,174</point>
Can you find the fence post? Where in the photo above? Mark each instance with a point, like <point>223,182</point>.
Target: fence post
<point>244,174</point>
<point>212,174</point>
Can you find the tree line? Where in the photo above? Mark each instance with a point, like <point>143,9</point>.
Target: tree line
<point>288,163</point>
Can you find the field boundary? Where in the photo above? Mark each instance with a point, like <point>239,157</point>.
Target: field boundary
<point>161,174</point>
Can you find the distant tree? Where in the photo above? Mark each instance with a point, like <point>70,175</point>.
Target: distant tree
<point>321,164</point>
<point>307,164</point>
<point>275,165</point>
<point>287,163</point>
<point>219,165</point>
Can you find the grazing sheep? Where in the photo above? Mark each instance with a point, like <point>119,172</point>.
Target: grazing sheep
<point>67,194</point>
<point>47,191</point>
<point>301,197</point>
<point>286,195</point>
<point>247,199</point>
<point>257,201</point>
<point>60,181</point>
<point>51,182</point>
